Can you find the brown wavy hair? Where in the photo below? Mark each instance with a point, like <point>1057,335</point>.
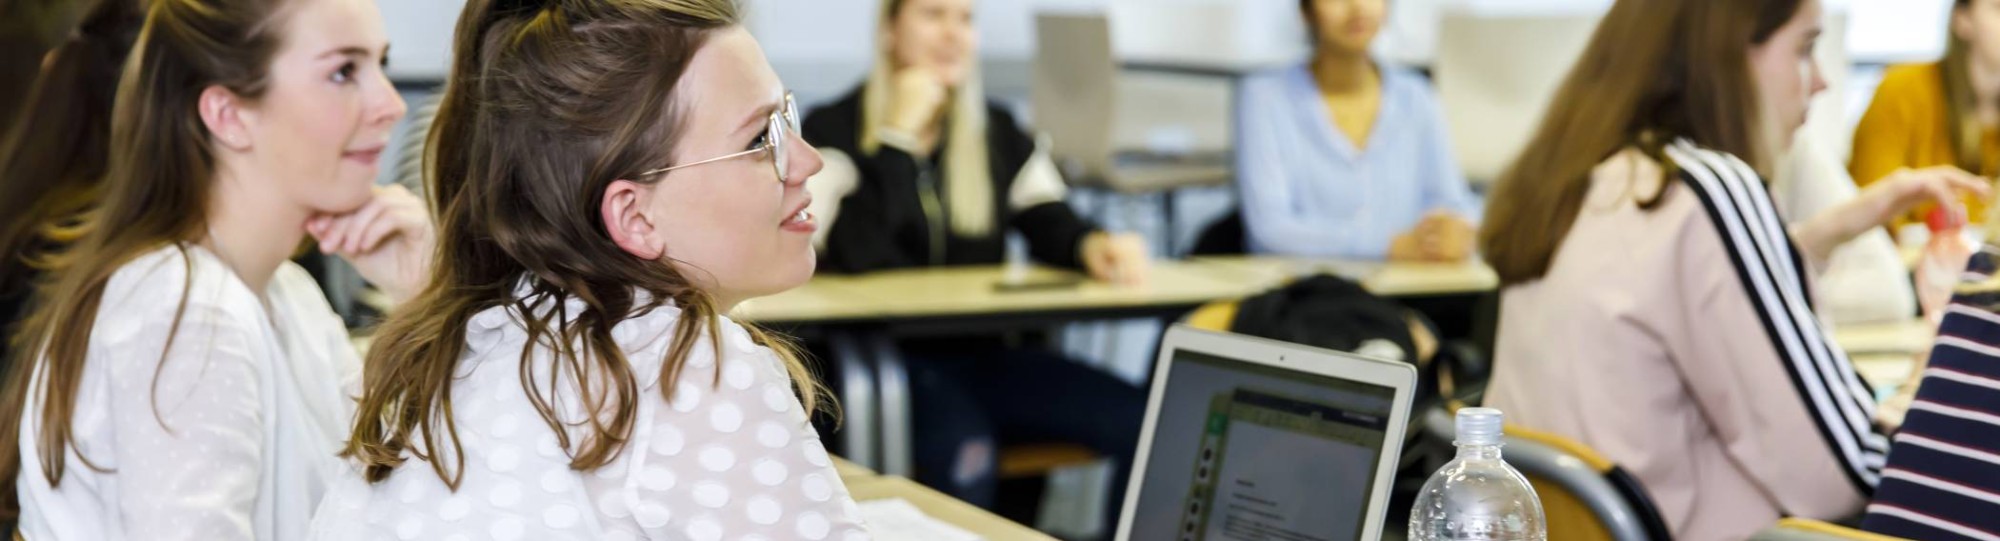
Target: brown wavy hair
<point>1654,71</point>
<point>1962,103</point>
<point>547,104</point>
<point>52,157</point>
<point>155,194</point>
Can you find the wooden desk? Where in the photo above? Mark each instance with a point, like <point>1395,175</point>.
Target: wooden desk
<point>1902,337</point>
<point>1385,279</point>
<point>944,508</point>
<point>867,485</point>
<point>851,472</point>
<point>859,315</point>
<point>959,293</point>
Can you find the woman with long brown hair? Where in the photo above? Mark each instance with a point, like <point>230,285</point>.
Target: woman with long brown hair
<point>1655,306</point>
<point>177,379</point>
<point>1943,113</point>
<point>52,155</point>
<point>612,176</point>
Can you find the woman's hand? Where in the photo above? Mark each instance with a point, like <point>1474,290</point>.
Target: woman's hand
<point>389,240</point>
<point>917,100</point>
<point>1441,237</point>
<point>1119,258</point>
<point>1886,199</point>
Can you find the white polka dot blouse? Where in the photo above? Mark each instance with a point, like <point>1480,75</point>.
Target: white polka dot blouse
<point>730,456</point>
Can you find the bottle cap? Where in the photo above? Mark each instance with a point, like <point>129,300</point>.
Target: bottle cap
<point>1479,426</point>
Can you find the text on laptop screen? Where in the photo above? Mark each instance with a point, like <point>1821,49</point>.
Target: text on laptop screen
<point>1243,451</point>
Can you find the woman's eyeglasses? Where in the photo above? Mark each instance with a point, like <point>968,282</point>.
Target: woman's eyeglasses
<point>779,127</point>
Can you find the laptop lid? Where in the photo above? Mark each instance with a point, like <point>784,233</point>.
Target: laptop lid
<point>1253,438</point>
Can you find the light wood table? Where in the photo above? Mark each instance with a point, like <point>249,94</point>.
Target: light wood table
<point>1901,337</point>
<point>867,485</point>
<point>973,291</point>
<point>859,314</point>
<point>944,508</point>
<point>851,472</point>
<point>1384,279</point>
<point>1884,353</point>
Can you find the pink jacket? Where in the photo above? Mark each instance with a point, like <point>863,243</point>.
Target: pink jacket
<point>1680,343</point>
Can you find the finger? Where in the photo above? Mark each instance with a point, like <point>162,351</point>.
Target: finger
<point>358,223</point>
<point>1096,262</point>
<point>330,233</point>
<point>1956,179</point>
<point>1969,183</point>
<point>315,225</point>
<point>385,225</point>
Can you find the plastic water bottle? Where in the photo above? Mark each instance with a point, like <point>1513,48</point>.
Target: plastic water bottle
<point>1477,496</point>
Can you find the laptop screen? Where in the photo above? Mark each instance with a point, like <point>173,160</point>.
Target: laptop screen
<point>1245,451</point>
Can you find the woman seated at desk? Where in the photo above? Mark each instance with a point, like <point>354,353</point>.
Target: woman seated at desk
<point>922,171</point>
<point>1654,305</point>
<point>1346,157</point>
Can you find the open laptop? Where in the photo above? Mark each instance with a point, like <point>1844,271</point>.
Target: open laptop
<point>1247,438</point>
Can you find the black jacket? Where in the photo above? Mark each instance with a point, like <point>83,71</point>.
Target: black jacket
<point>883,223</point>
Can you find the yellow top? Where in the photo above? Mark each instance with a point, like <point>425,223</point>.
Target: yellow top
<point>1905,126</point>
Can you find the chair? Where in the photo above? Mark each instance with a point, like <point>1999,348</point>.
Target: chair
<point>1798,529</point>
<point>1585,497</point>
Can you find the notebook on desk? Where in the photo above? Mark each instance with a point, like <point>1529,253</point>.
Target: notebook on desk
<point>1247,438</point>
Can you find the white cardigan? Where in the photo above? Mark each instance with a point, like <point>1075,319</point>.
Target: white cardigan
<point>232,436</point>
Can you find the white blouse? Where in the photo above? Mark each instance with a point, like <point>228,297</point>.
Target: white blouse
<point>730,457</point>
<point>232,435</point>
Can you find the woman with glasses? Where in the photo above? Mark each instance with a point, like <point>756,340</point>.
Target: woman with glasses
<point>922,171</point>
<point>612,176</point>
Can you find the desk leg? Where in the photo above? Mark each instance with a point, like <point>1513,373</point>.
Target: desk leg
<point>894,378</point>
<point>857,401</point>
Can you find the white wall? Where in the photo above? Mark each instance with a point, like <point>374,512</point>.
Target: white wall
<point>821,39</point>
<point>419,37</point>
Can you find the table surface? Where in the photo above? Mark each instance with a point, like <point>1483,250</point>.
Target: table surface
<point>972,290</point>
<point>1891,338</point>
<point>866,485</point>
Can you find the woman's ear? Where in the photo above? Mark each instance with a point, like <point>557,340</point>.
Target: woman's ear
<point>223,114</point>
<point>629,222</point>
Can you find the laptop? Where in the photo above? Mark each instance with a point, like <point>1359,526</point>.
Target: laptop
<point>1247,438</point>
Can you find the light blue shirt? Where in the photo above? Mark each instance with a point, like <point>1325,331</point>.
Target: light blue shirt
<point>1308,191</point>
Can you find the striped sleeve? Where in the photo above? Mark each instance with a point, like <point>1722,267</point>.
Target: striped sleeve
<point>1943,477</point>
<point>1773,276</point>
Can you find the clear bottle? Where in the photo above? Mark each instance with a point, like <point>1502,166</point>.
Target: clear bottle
<point>1477,496</point>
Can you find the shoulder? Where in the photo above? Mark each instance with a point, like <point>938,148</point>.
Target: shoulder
<point>1725,195</point>
<point>1273,83</point>
<point>1910,85</point>
<point>146,295</point>
<point>1902,79</point>
<point>1713,173</point>
<point>1403,81</point>
<point>836,123</point>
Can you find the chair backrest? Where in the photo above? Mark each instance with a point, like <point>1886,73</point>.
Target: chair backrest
<point>1580,490</point>
<point>1585,497</point>
<point>1495,74</point>
<point>1075,77</point>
